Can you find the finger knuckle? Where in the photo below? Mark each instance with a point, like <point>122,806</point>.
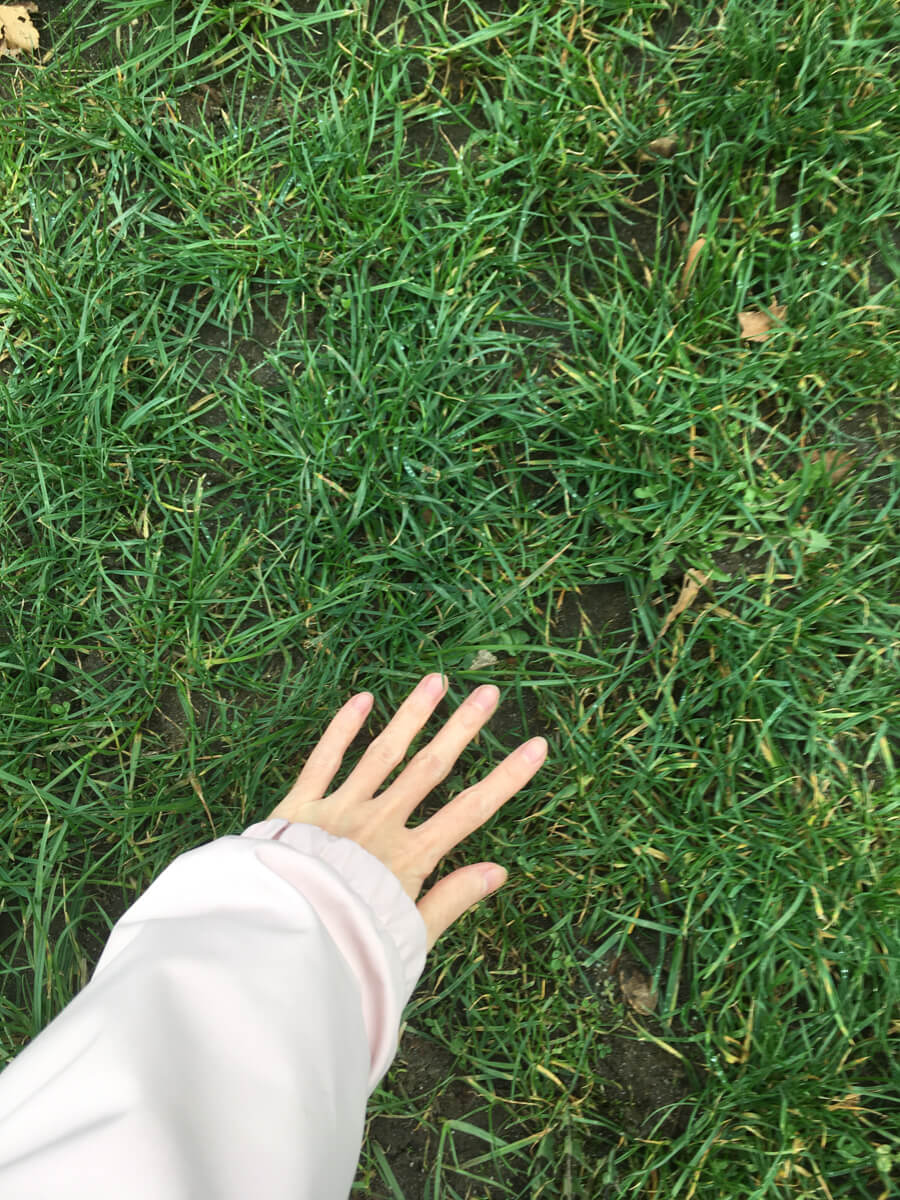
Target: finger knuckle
<point>325,760</point>
<point>386,754</point>
<point>511,771</point>
<point>477,799</point>
<point>430,764</point>
<point>471,717</point>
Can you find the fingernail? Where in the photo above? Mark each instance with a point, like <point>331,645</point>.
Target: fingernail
<point>486,697</point>
<point>493,877</point>
<point>535,749</point>
<point>361,702</point>
<point>433,687</point>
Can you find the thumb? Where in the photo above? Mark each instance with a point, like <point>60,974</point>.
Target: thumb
<point>455,893</point>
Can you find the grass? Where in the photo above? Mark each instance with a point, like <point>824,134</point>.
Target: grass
<point>339,344</point>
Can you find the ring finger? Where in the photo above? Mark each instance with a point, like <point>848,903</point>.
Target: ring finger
<point>435,760</point>
<point>389,749</point>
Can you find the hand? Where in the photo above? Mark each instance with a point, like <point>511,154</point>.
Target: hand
<point>378,824</point>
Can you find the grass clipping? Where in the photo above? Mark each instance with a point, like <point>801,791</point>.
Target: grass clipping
<point>16,30</point>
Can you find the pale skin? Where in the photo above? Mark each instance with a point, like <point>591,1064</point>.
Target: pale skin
<point>378,822</point>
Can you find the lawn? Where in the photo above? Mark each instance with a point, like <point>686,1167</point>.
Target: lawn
<point>344,343</point>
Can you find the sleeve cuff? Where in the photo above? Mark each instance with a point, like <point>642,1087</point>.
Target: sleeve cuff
<point>372,920</point>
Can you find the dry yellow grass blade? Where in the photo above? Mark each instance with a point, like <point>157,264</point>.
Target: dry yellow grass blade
<point>693,582</point>
<point>691,262</point>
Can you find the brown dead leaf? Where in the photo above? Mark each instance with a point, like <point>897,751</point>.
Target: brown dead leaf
<point>693,582</point>
<point>837,463</point>
<point>755,326</point>
<point>637,990</point>
<point>663,145</point>
<point>16,30</point>
<point>691,262</point>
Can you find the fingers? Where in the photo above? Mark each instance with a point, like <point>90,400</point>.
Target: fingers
<point>471,808</point>
<point>389,749</point>
<point>325,760</point>
<point>477,804</point>
<point>435,760</point>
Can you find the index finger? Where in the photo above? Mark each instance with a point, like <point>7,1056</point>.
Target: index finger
<point>389,748</point>
<point>477,804</point>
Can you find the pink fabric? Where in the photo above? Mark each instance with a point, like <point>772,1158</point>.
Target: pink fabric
<point>243,1010</point>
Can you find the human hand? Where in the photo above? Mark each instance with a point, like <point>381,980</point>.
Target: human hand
<point>378,824</point>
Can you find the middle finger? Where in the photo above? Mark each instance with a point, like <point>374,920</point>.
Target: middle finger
<point>389,749</point>
<point>435,760</point>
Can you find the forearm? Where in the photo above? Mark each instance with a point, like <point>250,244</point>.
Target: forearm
<point>241,1013</point>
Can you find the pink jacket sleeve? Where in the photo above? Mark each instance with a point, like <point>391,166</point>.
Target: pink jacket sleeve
<point>242,1011</point>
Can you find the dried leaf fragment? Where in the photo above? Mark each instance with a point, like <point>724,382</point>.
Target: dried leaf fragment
<point>483,659</point>
<point>663,145</point>
<point>637,990</point>
<point>691,262</point>
<point>16,30</point>
<point>693,582</point>
<point>755,326</point>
